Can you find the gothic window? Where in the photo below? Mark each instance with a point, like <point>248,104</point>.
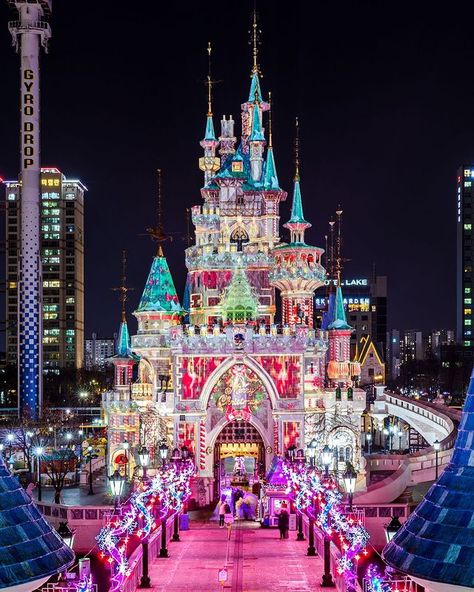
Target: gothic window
<point>239,236</point>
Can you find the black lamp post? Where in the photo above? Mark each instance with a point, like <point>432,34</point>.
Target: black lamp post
<point>291,452</point>
<point>437,447</point>
<point>144,458</point>
<point>368,439</point>
<point>392,528</point>
<point>126,447</point>
<point>311,552</point>
<point>39,451</point>
<point>66,534</point>
<point>163,549</point>
<point>90,450</point>
<point>176,456</point>
<point>350,478</point>
<point>163,452</point>
<point>145,581</point>
<point>117,484</point>
<point>327,581</point>
<point>326,458</point>
<point>311,451</point>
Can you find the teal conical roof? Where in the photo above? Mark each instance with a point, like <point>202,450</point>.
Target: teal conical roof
<point>255,92</point>
<point>123,348</point>
<point>210,134</point>
<point>257,132</point>
<point>297,216</point>
<point>270,179</point>
<point>160,294</point>
<point>31,549</point>
<point>340,321</point>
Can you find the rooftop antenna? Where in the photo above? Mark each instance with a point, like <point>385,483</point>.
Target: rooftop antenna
<point>123,289</point>
<point>270,128</point>
<point>157,232</point>
<point>209,82</point>
<point>188,236</point>
<point>339,260</point>
<point>331,257</point>
<point>297,149</point>
<point>255,42</point>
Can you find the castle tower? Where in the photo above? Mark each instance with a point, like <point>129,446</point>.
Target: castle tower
<point>298,271</point>
<point>341,371</point>
<point>209,163</point>
<point>239,214</point>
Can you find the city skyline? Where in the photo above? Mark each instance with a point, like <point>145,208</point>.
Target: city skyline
<point>342,161</point>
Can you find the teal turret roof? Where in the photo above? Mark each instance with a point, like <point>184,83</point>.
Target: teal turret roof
<point>270,178</point>
<point>339,319</point>
<point>297,216</point>
<point>210,133</point>
<point>160,294</point>
<point>256,134</point>
<point>255,92</point>
<point>123,342</point>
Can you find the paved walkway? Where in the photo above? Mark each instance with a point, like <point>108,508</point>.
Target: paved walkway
<point>258,562</point>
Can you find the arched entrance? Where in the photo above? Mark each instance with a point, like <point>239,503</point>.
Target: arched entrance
<point>239,456</point>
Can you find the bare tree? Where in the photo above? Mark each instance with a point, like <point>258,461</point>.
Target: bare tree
<point>57,465</point>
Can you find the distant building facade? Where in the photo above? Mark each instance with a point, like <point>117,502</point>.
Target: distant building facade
<point>464,267</point>
<point>62,256</point>
<point>97,351</point>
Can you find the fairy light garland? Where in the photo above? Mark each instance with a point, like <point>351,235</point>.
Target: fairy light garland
<point>310,490</point>
<point>171,488</point>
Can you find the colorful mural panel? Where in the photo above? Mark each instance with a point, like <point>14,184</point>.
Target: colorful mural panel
<point>285,373</point>
<point>239,392</point>
<point>195,370</point>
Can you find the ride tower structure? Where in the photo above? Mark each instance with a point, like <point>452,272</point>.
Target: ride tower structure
<point>30,32</point>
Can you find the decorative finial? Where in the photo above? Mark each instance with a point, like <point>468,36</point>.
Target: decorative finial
<point>339,259</point>
<point>255,42</point>
<point>297,150</point>
<point>157,233</point>
<point>270,129</point>
<point>123,289</point>
<point>209,81</point>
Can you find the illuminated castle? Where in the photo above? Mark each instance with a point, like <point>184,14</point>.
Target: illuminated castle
<point>231,381</point>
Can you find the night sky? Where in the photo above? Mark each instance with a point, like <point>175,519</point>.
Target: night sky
<point>384,93</point>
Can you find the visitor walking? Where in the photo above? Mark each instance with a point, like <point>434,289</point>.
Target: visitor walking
<point>283,522</point>
<point>228,519</point>
<point>222,505</point>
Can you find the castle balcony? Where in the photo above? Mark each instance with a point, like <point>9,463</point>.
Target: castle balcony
<point>142,391</point>
<point>249,340</point>
<point>297,274</point>
<point>149,339</point>
<point>344,399</point>
<point>221,257</point>
<point>206,216</point>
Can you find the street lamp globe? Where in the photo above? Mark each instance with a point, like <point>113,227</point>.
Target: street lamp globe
<point>392,528</point>
<point>437,445</point>
<point>184,452</point>
<point>69,436</point>
<point>66,534</point>
<point>326,456</point>
<point>144,457</point>
<point>10,437</point>
<point>368,437</point>
<point>311,450</point>
<point>163,451</point>
<point>350,478</point>
<point>176,456</point>
<point>126,445</point>
<point>39,451</point>
<point>117,483</point>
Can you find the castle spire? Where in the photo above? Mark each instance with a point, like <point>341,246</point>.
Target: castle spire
<point>255,73</point>
<point>157,232</point>
<point>270,179</point>
<point>123,341</point>
<point>209,164</point>
<point>297,223</point>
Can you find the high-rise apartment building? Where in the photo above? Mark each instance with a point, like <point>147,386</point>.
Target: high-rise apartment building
<point>98,351</point>
<point>62,257</point>
<point>465,275</point>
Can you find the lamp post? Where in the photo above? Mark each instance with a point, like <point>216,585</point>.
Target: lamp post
<point>66,534</point>
<point>145,581</point>
<point>90,450</point>
<point>350,478</point>
<point>144,458</point>
<point>176,455</point>
<point>291,451</point>
<point>163,452</point>
<point>368,439</point>
<point>437,447</point>
<point>117,484</point>
<point>126,447</point>
<point>311,451</point>
<point>326,458</point>
<point>385,433</point>
<point>400,436</point>
<point>39,451</point>
<point>327,581</point>
<point>392,528</point>
<point>10,440</point>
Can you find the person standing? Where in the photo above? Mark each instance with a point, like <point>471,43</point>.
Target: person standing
<point>228,519</point>
<point>283,522</point>
<point>222,505</point>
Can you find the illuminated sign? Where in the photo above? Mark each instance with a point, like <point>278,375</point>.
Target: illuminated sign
<point>29,128</point>
<point>353,282</point>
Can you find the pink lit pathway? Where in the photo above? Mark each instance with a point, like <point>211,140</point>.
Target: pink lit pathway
<point>258,562</point>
